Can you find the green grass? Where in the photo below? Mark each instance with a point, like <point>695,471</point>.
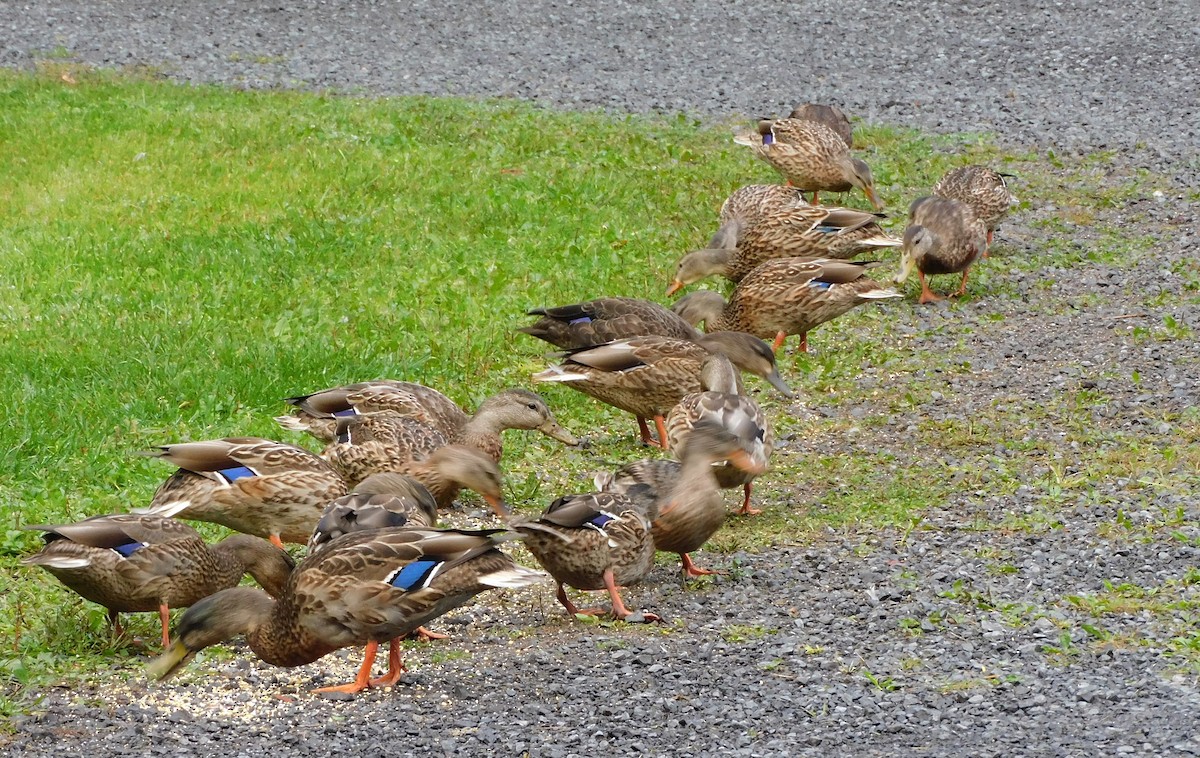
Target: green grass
<point>174,260</point>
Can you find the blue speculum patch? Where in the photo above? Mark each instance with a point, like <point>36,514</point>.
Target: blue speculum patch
<point>127,549</point>
<point>819,285</point>
<point>768,138</point>
<point>415,574</point>
<point>599,520</point>
<point>348,412</point>
<point>580,320</point>
<point>237,472</point>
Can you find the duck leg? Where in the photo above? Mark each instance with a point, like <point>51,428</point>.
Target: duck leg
<point>164,615</point>
<point>962,288</point>
<point>618,606</point>
<point>572,609</point>
<point>927,295</point>
<point>395,670</point>
<point>778,343</point>
<point>363,679</point>
<point>988,246</point>
<point>661,425</point>
<point>746,510</point>
<point>114,623</point>
<point>816,200</point>
<point>424,634</point>
<point>804,342</point>
<point>645,432</point>
<point>691,569</point>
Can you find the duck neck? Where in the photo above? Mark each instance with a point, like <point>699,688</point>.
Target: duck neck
<point>282,640</point>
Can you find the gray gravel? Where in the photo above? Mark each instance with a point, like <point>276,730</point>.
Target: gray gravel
<point>1075,75</point>
<point>944,640</point>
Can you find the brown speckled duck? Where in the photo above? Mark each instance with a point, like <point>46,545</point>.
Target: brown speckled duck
<point>361,589</point>
<point>829,115</point>
<point>385,441</point>
<point>380,501</point>
<point>943,237</point>
<point>592,541</point>
<point>317,413</point>
<point>723,400</point>
<point>809,231</point>
<point>130,563</point>
<point>647,376</point>
<point>751,203</point>
<point>786,296</point>
<point>682,500</point>
<point>811,157</point>
<point>261,487</point>
<point>606,319</point>
<point>981,188</point>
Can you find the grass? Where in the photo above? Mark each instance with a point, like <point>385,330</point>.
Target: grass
<point>177,259</point>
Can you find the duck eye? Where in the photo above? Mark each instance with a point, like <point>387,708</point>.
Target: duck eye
<point>532,406</point>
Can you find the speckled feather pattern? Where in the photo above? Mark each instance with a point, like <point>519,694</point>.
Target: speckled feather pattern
<point>416,401</point>
<point>960,236</point>
<point>603,320</point>
<point>981,188</point>
<point>808,154</point>
<point>751,203</point>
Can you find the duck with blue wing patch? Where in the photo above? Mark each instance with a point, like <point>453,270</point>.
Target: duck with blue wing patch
<point>362,588</point>
<point>592,541</point>
<point>129,563</point>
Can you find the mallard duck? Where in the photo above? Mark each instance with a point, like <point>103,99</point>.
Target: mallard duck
<point>811,156</point>
<point>981,188</point>
<point>943,237</point>
<point>683,500</point>
<point>380,501</point>
<point>754,201</point>
<point>362,588</point>
<point>317,413</point>
<point>129,563</point>
<point>596,322</point>
<point>443,472</point>
<point>829,115</point>
<point>386,440</point>
<point>647,376</point>
<point>592,541</point>
<point>252,485</point>
<point>724,401</point>
<point>786,296</point>
<point>785,233</point>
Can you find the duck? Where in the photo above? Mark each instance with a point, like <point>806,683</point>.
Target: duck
<point>252,485</point>
<point>130,563</point>
<point>829,115</point>
<point>984,190</point>
<point>362,588</point>
<point>592,541</point>
<point>943,237</point>
<point>606,319</point>
<point>752,202</point>
<point>317,413</point>
<point>786,296</point>
<point>798,232</point>
<point>442,472</point>
<point>811,157</point>
<point>384,440</point>
<point>380,501</point>
<point>647,376</point>
<point>682,499</point>
<point>723,399</point>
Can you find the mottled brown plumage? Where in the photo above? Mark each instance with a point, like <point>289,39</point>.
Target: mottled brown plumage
<point>317,413</point>
<point>252,485</point>
<point>646,376</point>
<point>591,541</point>
<point>785,296</point>
<point>723,401</point>
<point>831,116</point>
<point>597,322</point>
<point>362,588</point>
<point>682,501</point>
<point>130,563</point>
<point>754,201</point>
<point>981,188</point>
<point>811,157</point>
<point>380,501</point>
<point>943,237</point>
<point>796,232</point>
<point>385,441</point>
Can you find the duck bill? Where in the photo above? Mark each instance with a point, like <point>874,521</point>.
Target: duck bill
<point>553,430</point>
<point>876,203</point>
<point>675,287</point>
<point>906,266</point>
<point>170,662</point>
<point>742,460</point>
<point>498,505</point>
<point>777,382</point>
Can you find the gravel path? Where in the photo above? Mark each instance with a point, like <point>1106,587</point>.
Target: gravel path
<point>953,638</point>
